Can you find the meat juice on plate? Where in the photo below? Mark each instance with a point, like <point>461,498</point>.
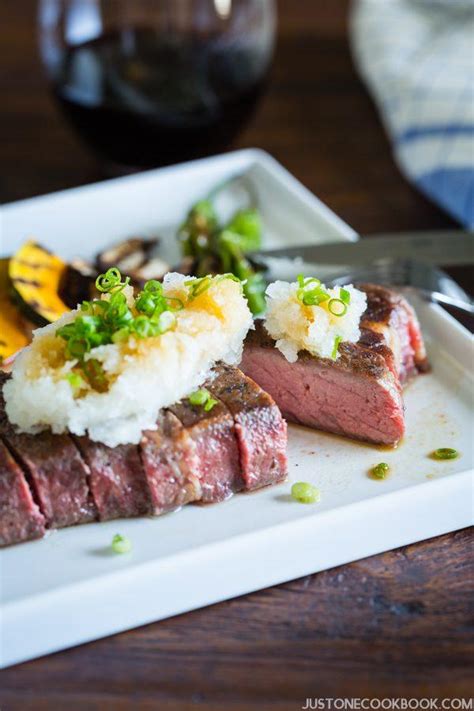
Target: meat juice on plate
<point>140,97</point>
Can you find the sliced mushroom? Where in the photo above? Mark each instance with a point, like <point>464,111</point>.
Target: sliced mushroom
<point>128,255</point>
<point>133,258</point>
<point>154,268</point>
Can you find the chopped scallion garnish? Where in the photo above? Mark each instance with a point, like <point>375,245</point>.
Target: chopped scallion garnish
<point>199,286</point>
<point>310,291</point>
<point>113,320</point>
<point>312,297</point>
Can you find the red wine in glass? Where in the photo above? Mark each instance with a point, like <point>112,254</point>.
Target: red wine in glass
<point>143,98</point>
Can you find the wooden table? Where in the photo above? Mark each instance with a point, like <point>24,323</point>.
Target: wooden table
<point>397,624</point>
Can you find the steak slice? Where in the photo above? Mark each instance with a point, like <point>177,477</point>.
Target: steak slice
<point>259,427</point>
<point>360,394</point>
<point>117,479</point>
<point>20,517</point>
<point>215,446</point>
<point>388,314</point>
<point>171,464</point>
<point>58,476</point>
<point>56,471</point>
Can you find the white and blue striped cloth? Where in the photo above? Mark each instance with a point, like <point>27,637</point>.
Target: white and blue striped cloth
<point>417,57</point>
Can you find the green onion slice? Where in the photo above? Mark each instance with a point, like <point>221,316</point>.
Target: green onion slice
<point>121,544</point>
<point>121,335</point>
<point>310,291</point>
<point>173,303</point>
<point>199,397</point>
<point>105,282</point>
<point>198,286</point>
<point>345,296</point>
<point>112,279</point>
<point>145,303</point>
<point>337,307</point>
<point>306,281</point>
<point>445,453</point>
<point>380,471</point>
<point>143,327</point>
<point>210,404</point>
<point>312,297</point>
<point>227,275</point>
<point>153,286</point>
<point>203,398</point>
<point>305,493</point>
<point>75,381</point>
<point>335,349</point>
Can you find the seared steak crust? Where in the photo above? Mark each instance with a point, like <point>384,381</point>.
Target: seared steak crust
<point>365,359</point>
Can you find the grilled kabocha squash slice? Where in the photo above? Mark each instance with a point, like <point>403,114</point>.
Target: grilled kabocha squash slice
<point>35,275</point>
<point>12,332</point>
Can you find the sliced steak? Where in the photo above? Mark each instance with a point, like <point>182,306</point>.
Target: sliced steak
<point>216,448</point>
<point>117,479</point>
<point>389,315</point>
<point>20,517</point>
<point>259,427</point>
<point>192,455</point>
<point>171,464</point>
<point>360,394</point>
<point>56,471</point>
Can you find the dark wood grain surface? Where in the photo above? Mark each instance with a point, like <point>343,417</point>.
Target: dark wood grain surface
<point>398,624</point>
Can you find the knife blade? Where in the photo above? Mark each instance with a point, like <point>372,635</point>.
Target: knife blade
<point>440,248</point>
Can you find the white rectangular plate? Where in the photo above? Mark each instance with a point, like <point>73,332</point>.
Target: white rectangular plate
<point>69,588</point>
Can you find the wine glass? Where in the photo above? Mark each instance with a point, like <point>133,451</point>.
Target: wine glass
<point>153,82</point>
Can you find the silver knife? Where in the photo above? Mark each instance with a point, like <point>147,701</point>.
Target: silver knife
<point>438,247</point>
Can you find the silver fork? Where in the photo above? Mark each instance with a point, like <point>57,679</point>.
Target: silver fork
<point>431,283</point>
